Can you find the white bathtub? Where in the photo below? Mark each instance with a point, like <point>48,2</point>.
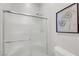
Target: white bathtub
<point>59,51</point>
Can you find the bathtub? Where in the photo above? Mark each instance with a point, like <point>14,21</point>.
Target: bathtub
<point>59,51</point>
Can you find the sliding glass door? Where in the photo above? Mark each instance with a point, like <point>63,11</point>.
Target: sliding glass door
<point>24,35</point>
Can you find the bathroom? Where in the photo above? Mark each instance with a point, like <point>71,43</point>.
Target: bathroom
<point>29,29</point>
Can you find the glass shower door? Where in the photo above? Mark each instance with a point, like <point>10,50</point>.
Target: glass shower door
<point>16,34</point>
<point>24,35</point>
<point>38,37</point>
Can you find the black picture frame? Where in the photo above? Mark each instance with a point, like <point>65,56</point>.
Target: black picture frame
<point>77,6</point>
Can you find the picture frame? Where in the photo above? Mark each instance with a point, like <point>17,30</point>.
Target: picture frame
<point>67,19</point>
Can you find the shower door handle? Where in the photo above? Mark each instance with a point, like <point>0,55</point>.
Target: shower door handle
<point>15,41</point>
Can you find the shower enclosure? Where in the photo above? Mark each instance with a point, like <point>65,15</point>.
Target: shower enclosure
<point>24,35</point>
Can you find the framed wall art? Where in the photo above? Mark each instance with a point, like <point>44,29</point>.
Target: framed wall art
<point>67,19</point>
